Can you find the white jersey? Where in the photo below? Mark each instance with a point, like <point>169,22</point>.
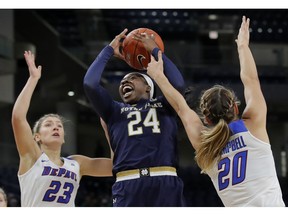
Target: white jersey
<point>48,185</point>
<point>246,174</point>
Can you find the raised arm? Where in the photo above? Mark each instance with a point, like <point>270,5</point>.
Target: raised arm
<point>255,111</point>
<point>192,123</point>
<point>28,149</point>
<point>99,96</point>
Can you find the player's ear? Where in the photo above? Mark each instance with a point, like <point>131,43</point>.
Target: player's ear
<point>37,137</point>
<point>148,89</point>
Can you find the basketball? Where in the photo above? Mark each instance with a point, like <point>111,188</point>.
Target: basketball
<point>134,51</point>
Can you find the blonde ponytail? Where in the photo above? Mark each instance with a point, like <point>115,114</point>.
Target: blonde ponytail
<point>213,141</point>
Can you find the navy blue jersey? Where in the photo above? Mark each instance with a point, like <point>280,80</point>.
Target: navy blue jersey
<point>141,135</point>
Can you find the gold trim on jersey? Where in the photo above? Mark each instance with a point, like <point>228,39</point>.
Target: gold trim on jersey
<point>145,172</point>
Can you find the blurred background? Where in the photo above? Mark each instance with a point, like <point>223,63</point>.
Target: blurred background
<point>201,42</point>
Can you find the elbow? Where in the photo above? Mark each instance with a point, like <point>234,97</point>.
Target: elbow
<point>16,118</point>
<point>88,85</point>
<point>247,79</point>
<point>89,89</point>
<point>15,115</point>
<point>13,119</point>
<point>92,91</point>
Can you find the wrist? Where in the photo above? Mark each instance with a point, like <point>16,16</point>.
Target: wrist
<point>242,46</point>
<point>160,77</point>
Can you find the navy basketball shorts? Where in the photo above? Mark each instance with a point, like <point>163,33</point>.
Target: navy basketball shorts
<point>156,191</point>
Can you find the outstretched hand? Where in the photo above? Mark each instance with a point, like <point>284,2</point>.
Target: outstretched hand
<point>117,42</point>
<point>155,68</point>
<point>34,71</point>
<point>244,34</point>
<point>148,40</point>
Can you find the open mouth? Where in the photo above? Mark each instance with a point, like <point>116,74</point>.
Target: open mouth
<point>56,135</point>
<point>127,91</point>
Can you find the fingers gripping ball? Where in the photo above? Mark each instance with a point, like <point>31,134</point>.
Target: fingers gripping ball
<point>134,51</point>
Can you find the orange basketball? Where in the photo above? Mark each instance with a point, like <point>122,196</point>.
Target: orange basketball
<point>134,51</point>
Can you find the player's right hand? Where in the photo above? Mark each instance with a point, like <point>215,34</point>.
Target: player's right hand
<point>117,42</point>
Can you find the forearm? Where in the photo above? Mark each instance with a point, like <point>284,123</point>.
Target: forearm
<point>22,103</point>
<point>247,64</point>
<point>172,95</point>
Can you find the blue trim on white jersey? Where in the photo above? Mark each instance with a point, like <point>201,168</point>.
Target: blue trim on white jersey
<point>237,127</point>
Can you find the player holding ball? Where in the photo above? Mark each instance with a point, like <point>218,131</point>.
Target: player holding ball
<point>135,53</point>
<point>142,130</point>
